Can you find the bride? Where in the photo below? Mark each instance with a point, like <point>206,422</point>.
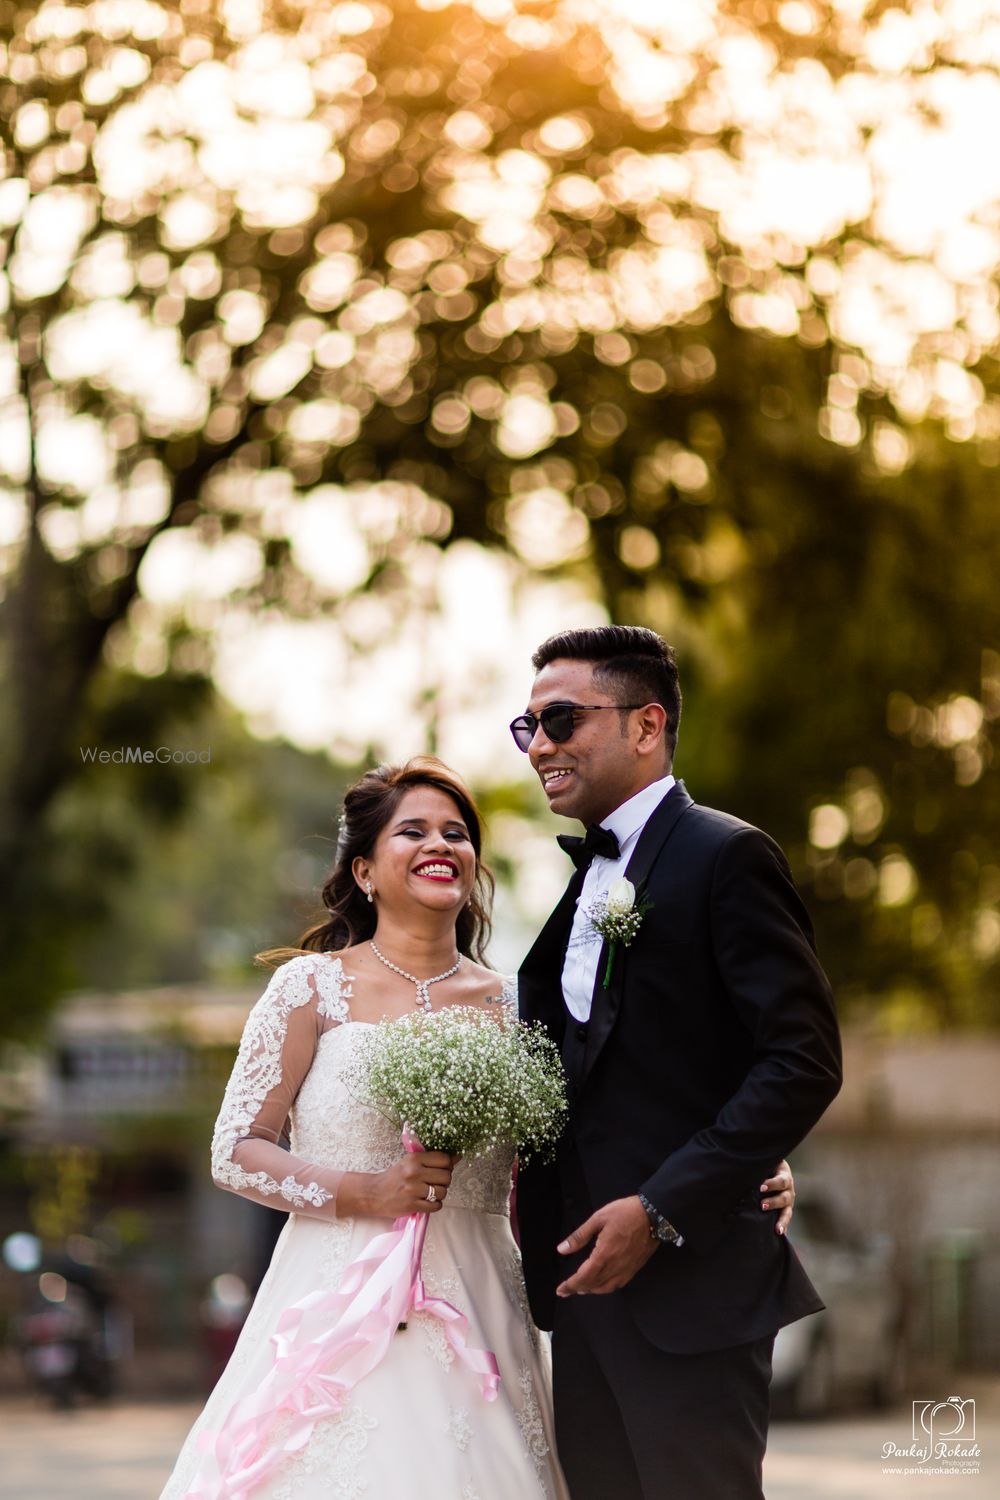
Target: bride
<point>407,924</point>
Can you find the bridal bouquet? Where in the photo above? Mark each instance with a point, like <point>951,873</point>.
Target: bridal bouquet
<point>461,1080</point>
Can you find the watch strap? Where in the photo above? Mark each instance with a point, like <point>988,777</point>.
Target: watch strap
<point>660,1227</point>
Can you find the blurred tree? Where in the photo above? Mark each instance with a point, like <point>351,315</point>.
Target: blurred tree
<point>672,298</point>
<point>81,846</point>
<point>844,693</point>
<point>60,1204</point>
<point>172,871</point>
<point>237,872</point>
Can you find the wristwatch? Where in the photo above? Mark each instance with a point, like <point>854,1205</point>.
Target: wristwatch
<point>660,1229</point>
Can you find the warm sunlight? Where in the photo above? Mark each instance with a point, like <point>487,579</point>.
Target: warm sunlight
<point>824,176</point>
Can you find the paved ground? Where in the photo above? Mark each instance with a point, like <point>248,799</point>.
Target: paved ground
<point>126,1452</point>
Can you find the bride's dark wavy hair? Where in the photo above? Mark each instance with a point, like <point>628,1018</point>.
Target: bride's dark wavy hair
<point>368,807</point>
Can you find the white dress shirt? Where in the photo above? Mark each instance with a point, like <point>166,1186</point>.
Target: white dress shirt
<point>583,954</point>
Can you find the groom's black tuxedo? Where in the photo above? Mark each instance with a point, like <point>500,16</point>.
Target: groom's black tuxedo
<point>710,1056</point>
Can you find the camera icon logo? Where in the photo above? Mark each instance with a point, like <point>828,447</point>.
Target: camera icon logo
<point>940,1420</point>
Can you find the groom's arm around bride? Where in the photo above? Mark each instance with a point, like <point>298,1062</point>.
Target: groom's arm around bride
<point>709,1054</point>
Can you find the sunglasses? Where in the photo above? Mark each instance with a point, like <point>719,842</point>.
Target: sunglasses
<point>559,721</point>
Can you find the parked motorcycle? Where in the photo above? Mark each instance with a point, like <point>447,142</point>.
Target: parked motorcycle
<point>63,1343</point>
<point>69,1333</point>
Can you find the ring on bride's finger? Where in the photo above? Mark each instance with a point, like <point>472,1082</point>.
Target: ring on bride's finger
<point>431,1194</point>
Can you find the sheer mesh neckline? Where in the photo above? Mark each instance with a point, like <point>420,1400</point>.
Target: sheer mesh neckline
<point>346,982</point>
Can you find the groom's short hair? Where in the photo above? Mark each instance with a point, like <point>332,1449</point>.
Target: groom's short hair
<point>631,663</point>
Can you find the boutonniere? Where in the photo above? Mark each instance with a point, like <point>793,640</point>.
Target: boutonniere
<point>617,917</point>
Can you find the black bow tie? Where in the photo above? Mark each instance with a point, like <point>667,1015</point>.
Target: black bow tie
<point>597,841</point>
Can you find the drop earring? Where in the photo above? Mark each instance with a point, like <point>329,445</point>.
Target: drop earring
<point>368,888</point>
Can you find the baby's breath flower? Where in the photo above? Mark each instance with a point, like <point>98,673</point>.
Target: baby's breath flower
<point>464,1080</point>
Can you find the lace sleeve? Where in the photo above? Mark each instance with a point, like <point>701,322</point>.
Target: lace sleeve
<point>279,1043</point>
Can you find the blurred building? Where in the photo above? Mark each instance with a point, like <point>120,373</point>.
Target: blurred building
<point>909,1149</point>
<point>129,1086</point>
<point>134,1079</point>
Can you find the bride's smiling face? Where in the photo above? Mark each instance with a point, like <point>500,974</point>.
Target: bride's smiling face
<point>423,855</point>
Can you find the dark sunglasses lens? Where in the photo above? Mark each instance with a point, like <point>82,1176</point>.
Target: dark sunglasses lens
<point>523,730</point>
<point>558,723</point>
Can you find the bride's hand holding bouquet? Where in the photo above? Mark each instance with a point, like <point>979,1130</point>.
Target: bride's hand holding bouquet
<point>402,1188</point>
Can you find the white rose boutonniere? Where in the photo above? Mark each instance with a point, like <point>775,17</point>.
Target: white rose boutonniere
<point>617,916</point>
<point>621,898</point>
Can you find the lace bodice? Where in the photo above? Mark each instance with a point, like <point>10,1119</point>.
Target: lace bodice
<point>289,1072</point>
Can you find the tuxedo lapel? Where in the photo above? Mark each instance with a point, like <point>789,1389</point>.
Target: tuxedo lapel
<point>656,833</point>
<point>606,1002</point>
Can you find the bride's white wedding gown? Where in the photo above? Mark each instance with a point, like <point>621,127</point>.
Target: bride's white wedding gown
<point>417,1427</point>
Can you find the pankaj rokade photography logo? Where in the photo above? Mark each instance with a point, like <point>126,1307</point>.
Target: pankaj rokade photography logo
<point>944,1433</point>
<point>939,1420</point>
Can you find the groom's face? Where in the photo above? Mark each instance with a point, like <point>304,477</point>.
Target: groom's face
<point>593,772</point>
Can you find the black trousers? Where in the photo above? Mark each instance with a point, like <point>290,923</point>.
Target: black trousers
<point>635,1423</point>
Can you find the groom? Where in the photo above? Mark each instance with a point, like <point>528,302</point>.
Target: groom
<point>708,1055</point>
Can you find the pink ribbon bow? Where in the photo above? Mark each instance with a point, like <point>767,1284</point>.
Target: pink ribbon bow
<point>325,1344</point>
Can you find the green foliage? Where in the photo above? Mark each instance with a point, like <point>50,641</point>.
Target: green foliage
<point>849,663</point>
<point>464,272</point>
<point>63,1181</point>
<point>156,874</point>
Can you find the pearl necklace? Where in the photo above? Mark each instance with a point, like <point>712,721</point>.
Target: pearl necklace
<point>423,985</point>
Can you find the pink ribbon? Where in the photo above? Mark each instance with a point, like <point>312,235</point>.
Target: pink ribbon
<point>325,1344</point>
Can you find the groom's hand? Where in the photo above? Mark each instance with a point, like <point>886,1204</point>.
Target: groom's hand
<point>622,1246</point>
